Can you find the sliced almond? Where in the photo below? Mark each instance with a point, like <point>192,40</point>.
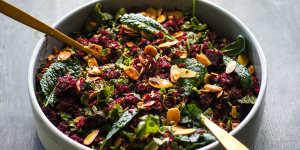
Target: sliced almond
<point>118,142</point>
<point>162,17</point>
<point>159,83</point>
<point>234,125</point>
<point>128,30</point>
<point>174,73</point>
<point>50,57</point>
<point>212,88</point>
<point>140,105</point>
<point>243,59</point>
<point>181,54</point>
<point>159,12</point>
<point>92,62</point>
<point>230,67</point>
<point>91,137</point>
<point>173,114</point>
<point>152,13</point>
<point>220,94</point>
<point>234,113</point>
<point>94,71</point>
<point>77,119</point>
<point>178,34</point>
<point>64,55</point>
<point>251,69</point>
<point>184,131</point>
<point>167,44</point>
<point>186,73</point>
<point>130,44</point>
<point>144,14</point>
<point>176,14</point>
<point>150,50</point>
<point>132,72</point>
<point>202,58</point>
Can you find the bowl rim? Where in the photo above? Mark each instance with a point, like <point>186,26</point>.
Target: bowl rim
<point>36,107</point>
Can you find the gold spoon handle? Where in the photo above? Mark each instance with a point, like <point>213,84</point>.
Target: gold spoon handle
<point>21,16</point>
<point>228,141</point>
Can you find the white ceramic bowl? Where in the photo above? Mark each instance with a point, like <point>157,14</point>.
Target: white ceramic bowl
<point>220,20</point>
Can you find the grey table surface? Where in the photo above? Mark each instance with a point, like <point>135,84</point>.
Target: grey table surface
<point>275,23</point>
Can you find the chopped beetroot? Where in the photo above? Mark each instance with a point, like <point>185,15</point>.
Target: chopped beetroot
<point>66,85</point>
<point>216,57</point>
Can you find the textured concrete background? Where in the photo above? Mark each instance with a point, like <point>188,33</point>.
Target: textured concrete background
<point>275,23</point>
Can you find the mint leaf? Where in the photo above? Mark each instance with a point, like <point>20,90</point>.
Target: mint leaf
<point>247,100</point>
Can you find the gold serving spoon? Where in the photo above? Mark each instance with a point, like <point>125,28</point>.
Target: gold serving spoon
<point>228,141</point>
<point>22,17</point>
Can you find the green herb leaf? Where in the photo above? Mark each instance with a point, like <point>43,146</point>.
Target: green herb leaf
<point>115,112</point>
<point>151,146</point>
<point>125,118</point>
<point>120,13</point>
<point>189,113</point>
<point>100,16</point>
<point>188,83</point>
<point>148,125</point>
<point>236,47</point>
<point>247,100</point>
<point>57,69</point>
<point>208,112</point>
<point>242,72</point>
<point>141,23</point>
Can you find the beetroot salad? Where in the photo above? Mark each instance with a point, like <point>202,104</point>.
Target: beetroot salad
<point>156,72</point>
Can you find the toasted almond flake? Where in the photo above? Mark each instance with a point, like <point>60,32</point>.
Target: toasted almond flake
<point>86,58</point>
<point>251,69</point>
<point>212,88</point>
<point>176,14</point>
<point>183,131</point>
<point>220,94</point>
<point>50,57</point>
<point>64,55</point>
<point>78,85</point>
<point>178,34</point>
<point>77,119</point>
<point>130,44</point>
<point>230,67</point>
<point>234,113</point>
<point>55,50</point>
<point>159,11</point>
<point>91,137</point>
<point>162,17</point>
<point>152,13</point>
<point>204,90</point>
<point>150,50</point>
<point>118,142</point>
<point>167,44</point>
<point>94,71</point>
<point>243,59</point>
<point>92,62</point>
<point>128,30</point>
<point>174,73</point>
<point>132,72</point>
<point>234,125</point>
<point>181,54</point>
<point>186,73</point>
<point>202,58</point>
<point>140,105</point>
<point>159,83</point>
<point>144,14</point>
<point>173,114</point>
